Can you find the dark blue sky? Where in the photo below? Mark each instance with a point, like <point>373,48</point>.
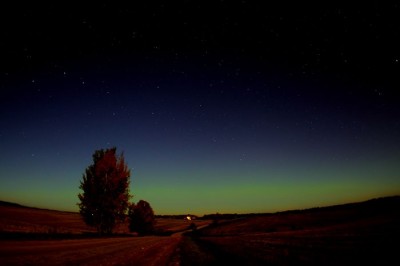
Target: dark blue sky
<point>229,108</point>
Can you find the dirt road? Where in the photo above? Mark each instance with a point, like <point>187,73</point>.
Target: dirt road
<point>150,250</point>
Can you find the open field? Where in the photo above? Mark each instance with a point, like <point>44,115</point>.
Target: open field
<point>32,220</point>
<point>98,251</point>
<point>31,236</point>
<point>354,234</point>
<point>25,220</point>
<point>364,233</point>
<point>349,246</point>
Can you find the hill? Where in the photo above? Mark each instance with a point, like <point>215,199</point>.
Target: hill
<point>21,219</point>
<point>312,218</point>
<point>10,204</point>
<point>363,233</point>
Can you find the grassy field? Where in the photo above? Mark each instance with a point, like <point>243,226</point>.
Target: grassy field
<point>25,220</point>
<point>149,250</point>
<point>32,220</point>
<point>354,234</point>
<point>31,236</point>
<point>364,233</point>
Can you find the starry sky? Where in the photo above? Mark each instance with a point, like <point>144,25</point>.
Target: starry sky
<point>233,107</point>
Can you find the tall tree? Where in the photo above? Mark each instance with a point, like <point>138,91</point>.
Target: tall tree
<point>105,196</point>
<point>141,218</point>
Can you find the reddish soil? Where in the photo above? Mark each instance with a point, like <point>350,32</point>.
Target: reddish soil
<point>32,220</point>
<point>49,250</point>
<point>354,234</point>
<point>108,251</point>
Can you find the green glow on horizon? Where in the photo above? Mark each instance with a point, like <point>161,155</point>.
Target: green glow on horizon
<point>244,199</point>
<point>267,196</point>
<point>237,190</point>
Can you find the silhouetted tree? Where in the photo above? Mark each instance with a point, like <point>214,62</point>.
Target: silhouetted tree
<point>141,218</point>
<point>105,186</point>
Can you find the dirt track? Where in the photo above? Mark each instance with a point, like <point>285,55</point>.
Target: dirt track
<point>108,251</point>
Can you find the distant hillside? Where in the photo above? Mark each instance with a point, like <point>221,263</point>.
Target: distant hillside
<point>381,212</point>
<point>382,203</point>
<point>376,203</point>
<point>10,204</point>
<point>364,233</point>
<point>17,218</point>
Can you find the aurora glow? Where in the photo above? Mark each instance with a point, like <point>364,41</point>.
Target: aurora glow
<point>208,121</point>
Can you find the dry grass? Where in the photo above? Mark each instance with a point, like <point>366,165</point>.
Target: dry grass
<point>41,242</point>
<point>101,251</point>
<point>353,234</point>
<point>31,220</point>
<point>366,214</point>
<point>359,234</point>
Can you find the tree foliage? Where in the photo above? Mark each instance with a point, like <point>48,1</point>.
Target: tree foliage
<point>105,196</point>
<point>141,218</point>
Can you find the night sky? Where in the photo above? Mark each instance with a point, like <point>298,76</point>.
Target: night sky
<point>231,107</point>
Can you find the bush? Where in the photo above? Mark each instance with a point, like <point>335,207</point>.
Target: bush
<point>141,217</point>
